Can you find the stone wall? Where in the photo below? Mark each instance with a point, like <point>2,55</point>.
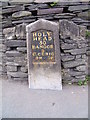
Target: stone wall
<point>15,17</point>
<point>73,51</point>
<point>16,52</point>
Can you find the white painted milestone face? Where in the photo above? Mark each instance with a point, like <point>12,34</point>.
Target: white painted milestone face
<point>43,55</point>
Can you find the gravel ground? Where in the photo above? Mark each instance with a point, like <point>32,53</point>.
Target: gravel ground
<point>21,102</point>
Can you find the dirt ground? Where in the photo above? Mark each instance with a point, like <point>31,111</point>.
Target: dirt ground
<point>21,102</point>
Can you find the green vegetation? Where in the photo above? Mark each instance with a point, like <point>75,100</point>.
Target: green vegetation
<point>87,33</point>
<point>85,82</point>
<point>80,82</point>
<point>53,4</point>
<point>87,78</point>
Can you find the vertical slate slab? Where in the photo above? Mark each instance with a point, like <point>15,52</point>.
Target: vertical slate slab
<point>43,51</point>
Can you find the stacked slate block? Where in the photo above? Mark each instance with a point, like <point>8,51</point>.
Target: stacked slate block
<point>17,13</point>
<point>16,57</point>
<point>73,51</point>
<point>15,17</point>
<point>1,41</point>
<point>2,48</point>
<point>88,52</point>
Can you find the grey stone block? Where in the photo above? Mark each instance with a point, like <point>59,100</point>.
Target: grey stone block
<point>22,49</point>
<point>81,45</point>
<point>23,21</point>
<point>80,21</point>
<point>24,18</point>
<point>21,58</point>
<point>1,69</point>
<point>88,48</point>
<point>41,5</point>
<point>75,80</point>
<point>67,78</point>
<point>4,70</point>
<point>81,68</point>
<point>88,53</point>
<point>88,44</point>
<point>46,17</point>
<point>21,79</point>
<point>15,43</point>
<point>68,29</point>
<point>10,59</point>
<point>3,60</point>
<point>84,14</point>
<point>49,11</point>
<point>84,57</point>
<point>78,56</point>
<point>82,31</point>
<point>17,2</point>
<point>21,62</point>
<point>9,33</point>
<point>21,14</point>
<point>31,7</point>
<point>69,41</point>
<point>71,64</point>
<point>11,68</point>
<point>18,74</point>
<point>12,64</point>
<point>4,3</point>
<point>7,24</point>
<point>88,39</point>
<point>2,55</point>
<point>67,58</point>
<point>66,46</point>
<point>76,51</point>
<point>21,31</point>
<point>64,16</point>
<point>11,9</point>
<point>2,48</point>
<point>1,63</point>
<point>80,77</point>
<point>75,73</point>
<point>13,54</point>
<point>24,69</point>
<point>78,8</point>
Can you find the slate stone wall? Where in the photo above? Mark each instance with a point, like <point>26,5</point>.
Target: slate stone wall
<point>15,17</point>
<point>73,51</point>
